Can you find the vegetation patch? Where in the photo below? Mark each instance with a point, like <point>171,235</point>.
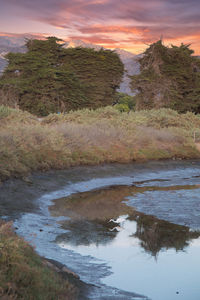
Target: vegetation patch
<point>49,78</point>
<point>124,102</point>
<point>23,275</point>
<point>87,136</point>
<point>169,77</point>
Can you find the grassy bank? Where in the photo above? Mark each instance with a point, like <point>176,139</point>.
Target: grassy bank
<point>92,137</point>
<point>23,274</point>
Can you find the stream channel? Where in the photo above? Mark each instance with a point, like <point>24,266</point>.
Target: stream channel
<point>129,231</point>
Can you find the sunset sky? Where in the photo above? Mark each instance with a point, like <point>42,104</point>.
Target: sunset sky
<point>128,24</point>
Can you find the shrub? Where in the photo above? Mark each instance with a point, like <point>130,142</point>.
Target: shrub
<point>125,103</point>
<point>5,111</point>
<point>93,136</point>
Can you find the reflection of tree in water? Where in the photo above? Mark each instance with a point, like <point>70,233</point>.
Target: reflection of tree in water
<point>90,213</point>
<point>83,232</point>
<point>156,234</point>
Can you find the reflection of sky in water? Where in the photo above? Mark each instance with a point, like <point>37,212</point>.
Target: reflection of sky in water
<point>134,270</point>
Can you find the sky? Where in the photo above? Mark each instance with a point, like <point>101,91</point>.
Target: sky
<point>128,24</point>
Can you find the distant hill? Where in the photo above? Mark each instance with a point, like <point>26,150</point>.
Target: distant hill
<point>132,67</point>
<point>16,44</point>
<point>10,44</point>
<point>3,64</point>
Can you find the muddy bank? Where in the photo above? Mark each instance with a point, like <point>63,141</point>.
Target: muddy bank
<point>67,216</point>
<point>19,196</point>
<point>82,289</point>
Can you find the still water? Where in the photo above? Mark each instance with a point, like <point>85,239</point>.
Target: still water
<point>147,255</point>
<point>132,231</point>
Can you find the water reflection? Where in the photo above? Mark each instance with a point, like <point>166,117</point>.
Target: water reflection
<point>95,219</point>
<point>134,270</point>
<point>155,234</point>
<point>83,232</point>
<point>147,255</point>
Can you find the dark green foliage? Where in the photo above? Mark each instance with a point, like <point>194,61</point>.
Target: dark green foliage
<point>170,77</point>
<point>49,78</point>
<point>124,102</point>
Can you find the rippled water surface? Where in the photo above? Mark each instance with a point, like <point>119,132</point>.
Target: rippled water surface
<point>133,231</point>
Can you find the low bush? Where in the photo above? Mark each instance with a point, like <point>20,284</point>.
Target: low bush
<point>93,136</point>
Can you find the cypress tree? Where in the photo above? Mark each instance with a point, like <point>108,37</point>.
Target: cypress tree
<point>170,77</point>
<point>49,78</point>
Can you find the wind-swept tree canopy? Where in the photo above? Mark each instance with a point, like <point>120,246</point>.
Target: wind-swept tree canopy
<point>50,78</point>
<point>170,77</point>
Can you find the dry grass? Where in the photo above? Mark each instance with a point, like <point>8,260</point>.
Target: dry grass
<point>23,275</point>
<point>92,137</point>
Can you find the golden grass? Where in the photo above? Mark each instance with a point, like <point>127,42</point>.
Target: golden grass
<point>92,137</point>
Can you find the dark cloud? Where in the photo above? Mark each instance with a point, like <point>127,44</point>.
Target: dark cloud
<point>160,12</point>
<point>133,20</point>
<point>146,11</point>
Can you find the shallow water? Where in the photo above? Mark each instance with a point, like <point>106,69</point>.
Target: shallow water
<point>167,274</point>
<point>135,228</point>
<point>146,255</point>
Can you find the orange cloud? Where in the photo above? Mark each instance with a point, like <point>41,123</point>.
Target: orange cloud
<point>114,28</point>
<point>129,23</point>
<point>95,39</point>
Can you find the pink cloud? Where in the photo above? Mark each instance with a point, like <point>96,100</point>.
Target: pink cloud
<point>113,22</point>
